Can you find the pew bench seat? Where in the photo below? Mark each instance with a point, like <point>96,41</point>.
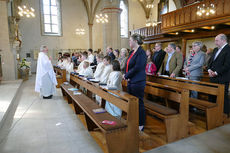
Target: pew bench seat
<point>115,135</point>
<point>165,111</point>
<point>83,104</point>
<point>201,104</point>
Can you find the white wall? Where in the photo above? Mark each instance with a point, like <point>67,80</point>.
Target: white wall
<point>73,14</point>
<point>137,17</point>
<point>172,6</point>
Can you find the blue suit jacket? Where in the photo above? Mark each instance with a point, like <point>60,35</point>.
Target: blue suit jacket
<point>137,64</point>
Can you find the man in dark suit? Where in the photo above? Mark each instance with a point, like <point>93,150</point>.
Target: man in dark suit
<point>219,68</point>
<point>109,51</point>
<point>158,56</point>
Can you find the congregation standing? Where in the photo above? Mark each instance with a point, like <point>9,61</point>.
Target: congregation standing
<point>136,64</point>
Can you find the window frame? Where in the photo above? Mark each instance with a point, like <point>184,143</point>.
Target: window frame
<point>127,16</point>
<point>59,18</point>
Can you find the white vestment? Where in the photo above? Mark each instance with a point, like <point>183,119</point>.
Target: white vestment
<point>91,58</point>
<point>63,64</point>
<point>80,66</point>
<point>99,70</point>
<point>45,76</point>
<point>105,73</point>
<point>59,63</point>
<point>88,72</point>
<point>104,77</point>
<point>69,69</point>
<point>114,81</point>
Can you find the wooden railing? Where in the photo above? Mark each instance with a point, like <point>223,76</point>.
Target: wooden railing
<point>148,31</point>
<point>186,17</point>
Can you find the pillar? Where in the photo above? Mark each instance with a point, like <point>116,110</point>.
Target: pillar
<point>90,35</point>
<point>8,59</point>
<point>111,30</point>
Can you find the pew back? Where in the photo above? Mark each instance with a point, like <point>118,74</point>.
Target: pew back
<point>124,101</point>
<point>214,111</point>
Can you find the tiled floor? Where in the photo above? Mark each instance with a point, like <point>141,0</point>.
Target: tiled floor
<point>8,90</point>
<point>44,126</point>
<point>213,141</point>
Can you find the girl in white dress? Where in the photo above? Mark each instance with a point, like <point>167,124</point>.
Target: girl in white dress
<point>105,74</point>
<point>100,66</point>
<point>114,81</point>
<point>107,69</point>
<point>90,56</point>
<point>69,68</point>
<point>83,58</point>
<point>64,62</point>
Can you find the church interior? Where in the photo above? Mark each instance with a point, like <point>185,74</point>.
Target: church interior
<point>175,123</point>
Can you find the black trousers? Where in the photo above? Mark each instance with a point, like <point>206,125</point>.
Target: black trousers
<point>212,98</point>
<point>137,90</point>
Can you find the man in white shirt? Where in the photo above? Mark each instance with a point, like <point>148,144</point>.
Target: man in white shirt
<point>45,76</point>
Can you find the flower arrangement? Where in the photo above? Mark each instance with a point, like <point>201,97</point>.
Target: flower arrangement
<point>23,65</point>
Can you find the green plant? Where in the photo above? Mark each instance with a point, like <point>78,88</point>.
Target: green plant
<point>23,64</point>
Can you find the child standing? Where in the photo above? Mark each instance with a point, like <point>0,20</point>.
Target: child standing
<point>114,81</point>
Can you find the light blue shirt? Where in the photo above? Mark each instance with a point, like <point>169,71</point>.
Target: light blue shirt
<point>169,57</point>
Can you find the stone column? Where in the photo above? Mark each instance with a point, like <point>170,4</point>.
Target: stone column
<point>90,35</point>
<point>111,30</point>
<point>8,60</point>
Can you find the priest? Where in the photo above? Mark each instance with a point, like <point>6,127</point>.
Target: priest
<point>45,76</point>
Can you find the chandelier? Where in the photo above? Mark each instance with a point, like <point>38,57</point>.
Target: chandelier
<point>102,18</point>
<point>149,6</point>
<point>26,11</point>
<point>152,23</point>
<point>80,31</point>
<point>205,10</point>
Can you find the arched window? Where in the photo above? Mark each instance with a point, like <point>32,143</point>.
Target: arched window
<point>51,17</point>
<point>124,19</point>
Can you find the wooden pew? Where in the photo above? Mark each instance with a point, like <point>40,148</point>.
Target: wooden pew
<point>62,73</point>
<point>205,77</point>
<point>176,121</point>
<point>121,138</point>
<point>214,111</point>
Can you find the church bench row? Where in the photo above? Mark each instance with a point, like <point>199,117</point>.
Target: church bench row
<point>214,111</point>
<point>62,73</point>
<point>121,138</point>
<point>176,121</point>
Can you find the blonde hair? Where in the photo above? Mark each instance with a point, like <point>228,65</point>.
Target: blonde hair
<point>124,50</point>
